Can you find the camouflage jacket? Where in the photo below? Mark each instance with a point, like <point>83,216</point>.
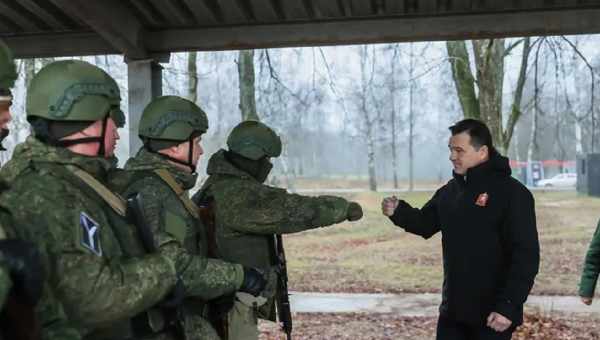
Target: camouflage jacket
<point>178,235</point>
<point>5,280</point>
<point>100,286</point>
<point>591,266</point>
<point>55,325</point>
<point>249,213</point>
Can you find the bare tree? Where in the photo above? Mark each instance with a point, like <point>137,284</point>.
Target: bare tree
<point>29,69</point>
<point>192,72</point>
<point>368,119</point>
<point>393,88</point>
<point>411,119</point>
<point>486,103</point>
<point>246,83</point>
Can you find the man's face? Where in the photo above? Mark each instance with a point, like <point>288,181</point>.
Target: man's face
<point>111,138</point>
<point>197,151</point>
<point>463,155</point>
<point>181,151</point>
<point>5,116</point>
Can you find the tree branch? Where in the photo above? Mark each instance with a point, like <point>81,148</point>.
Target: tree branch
<point>516,112</point>
<point>463,78</point>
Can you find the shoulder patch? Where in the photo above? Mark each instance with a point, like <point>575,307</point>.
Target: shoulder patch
<point>90,234</point>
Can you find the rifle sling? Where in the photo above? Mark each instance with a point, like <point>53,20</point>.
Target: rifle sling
<point>116,202</point>
<point>189,205</point>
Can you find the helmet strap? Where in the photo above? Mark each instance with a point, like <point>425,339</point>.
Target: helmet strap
<point>189,163</point>
<point>100,139</point>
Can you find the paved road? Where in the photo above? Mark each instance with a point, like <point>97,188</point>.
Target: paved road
<point>416,304</point>
<point>392,190</point>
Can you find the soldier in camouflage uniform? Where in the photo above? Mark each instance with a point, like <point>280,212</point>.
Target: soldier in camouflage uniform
<point>8,75</point>
<point>58,199</point>
<point>248,213</point>
<point>160,175</point>
<point>22,272</point>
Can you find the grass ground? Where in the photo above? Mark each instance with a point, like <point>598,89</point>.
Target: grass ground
<point>374,256</point>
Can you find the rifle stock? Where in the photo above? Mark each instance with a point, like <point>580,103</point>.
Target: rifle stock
<point>284,311</point>
<point>207,216</point>
<point>18,320</point>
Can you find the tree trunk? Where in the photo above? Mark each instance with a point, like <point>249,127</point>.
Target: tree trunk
<point>29,67</point>
<point>489,65</point>
<point>464,82</point>
<point>411,120</point>
<point>192,71</point>
<point>489,61</point>
<point>393,118</point>
<point>533,146</point>
<point>516,110</point>
<point>371,160</point>
<point>247,89</point>
<point>578,138</point>
<point>369,123</point>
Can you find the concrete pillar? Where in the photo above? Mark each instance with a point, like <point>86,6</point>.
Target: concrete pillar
<point>144,79</point>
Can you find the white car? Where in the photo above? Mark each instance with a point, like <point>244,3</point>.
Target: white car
<point>560,180</point>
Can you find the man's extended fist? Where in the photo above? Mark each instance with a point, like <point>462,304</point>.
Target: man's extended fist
<point>389,205</point>
<point>355,211</point>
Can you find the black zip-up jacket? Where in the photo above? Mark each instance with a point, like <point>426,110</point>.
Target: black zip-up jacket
<point>489,240</point>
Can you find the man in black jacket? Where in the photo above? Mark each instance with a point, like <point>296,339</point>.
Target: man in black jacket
<point>489,238</point>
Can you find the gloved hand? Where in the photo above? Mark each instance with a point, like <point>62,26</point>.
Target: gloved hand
<point>354,212</point>
<point>254,281</point>
<point>176,296</point>
<point>23,261</point>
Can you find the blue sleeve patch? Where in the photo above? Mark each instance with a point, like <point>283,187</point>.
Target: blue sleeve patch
<point>90,234</point>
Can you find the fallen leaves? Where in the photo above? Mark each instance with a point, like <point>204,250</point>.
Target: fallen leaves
<point>357,326</point>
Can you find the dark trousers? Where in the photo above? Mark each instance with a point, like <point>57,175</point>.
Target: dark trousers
<point>448,329</point>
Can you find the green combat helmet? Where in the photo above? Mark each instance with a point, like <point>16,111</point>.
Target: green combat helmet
<point>169,121</point>
<point>251,146</point>
<point>73,90</point>
<point>8,71</point>
<point>254,140</point>
<point>66,96</point>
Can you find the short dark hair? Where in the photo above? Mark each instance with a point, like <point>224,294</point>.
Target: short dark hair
<point>479,132</point>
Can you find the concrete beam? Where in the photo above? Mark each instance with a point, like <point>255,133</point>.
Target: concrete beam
<point>379,30</point>
<point>59,45</point>
<point>321,33</point>
<point>144,79</point>
<point>113,21</point>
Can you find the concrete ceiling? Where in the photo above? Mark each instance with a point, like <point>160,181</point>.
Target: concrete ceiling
<point>142,29</point>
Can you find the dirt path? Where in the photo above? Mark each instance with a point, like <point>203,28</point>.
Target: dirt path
<point>417,305</point>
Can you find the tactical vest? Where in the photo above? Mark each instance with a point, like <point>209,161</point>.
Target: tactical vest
<point>250,250</point>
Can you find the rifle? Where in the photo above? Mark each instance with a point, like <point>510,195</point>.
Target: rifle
<point>217,314</point>
<point>135,212</point>
<point>207,216</point>
<point>171,307</point>
<point>284,312</point>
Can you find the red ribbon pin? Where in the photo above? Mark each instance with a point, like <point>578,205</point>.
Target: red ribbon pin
<point>482,199</point>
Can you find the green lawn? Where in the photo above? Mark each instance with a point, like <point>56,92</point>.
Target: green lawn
<point>373,255</point>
